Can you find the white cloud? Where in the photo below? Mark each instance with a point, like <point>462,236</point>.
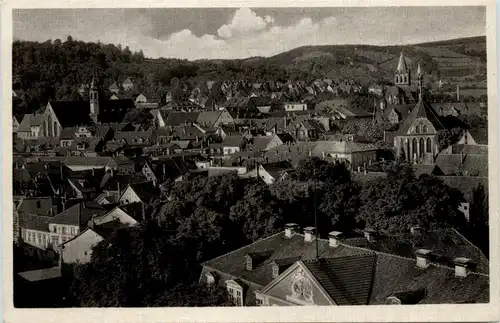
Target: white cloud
<point>269,19</point>
<point>243,37</point>
<point>245,21</point>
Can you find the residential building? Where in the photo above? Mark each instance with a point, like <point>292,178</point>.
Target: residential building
<point>290,269</point>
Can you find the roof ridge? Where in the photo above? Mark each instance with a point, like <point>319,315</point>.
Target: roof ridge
<point>411,259</point>
<point>241,248</point>
<point>469,242</point>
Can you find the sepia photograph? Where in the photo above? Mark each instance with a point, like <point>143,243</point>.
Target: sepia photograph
<point>250,157</point>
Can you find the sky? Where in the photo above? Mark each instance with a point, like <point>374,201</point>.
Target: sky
<point>226,33</point>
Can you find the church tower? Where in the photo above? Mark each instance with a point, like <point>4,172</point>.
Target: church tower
<point>420,76</point>
<point>402,75</point>
<point>94,101</point>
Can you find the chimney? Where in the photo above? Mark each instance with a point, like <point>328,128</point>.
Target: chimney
<point>291,229</point>
<point>462,157</point>
<point>463,267</point>
<point>310,153</point>
<point>458,93</point>
<point>370,234</point>
<point>359,169</point>
<point>309,234</point>
<point>119,192</point>
<point>423,258</point>
<point>334,238</point>
<point>416,230</point>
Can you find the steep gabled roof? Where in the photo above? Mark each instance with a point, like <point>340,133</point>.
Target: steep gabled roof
<point>402,68</point>
<point>347,280</point>
<point>78,214</point>
<point>146,191</point>
<point>421,110</point>
<point>114,111</point>
<point>72,113</point>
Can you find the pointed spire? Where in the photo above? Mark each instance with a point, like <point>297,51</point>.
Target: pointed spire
<point>92,83</point>
<point>402,68</point>
<point>419,70</point>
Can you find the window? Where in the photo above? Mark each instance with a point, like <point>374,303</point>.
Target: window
<point>38,204</point>
<point>63,230</point>
<point>259,302</point>
<point>276,271</point>
<point>39,238</point>
<point>429,145</point>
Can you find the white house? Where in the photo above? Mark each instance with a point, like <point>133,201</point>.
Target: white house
<point>79,248</point>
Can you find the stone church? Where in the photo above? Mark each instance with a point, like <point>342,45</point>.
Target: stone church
<point>417,138</point>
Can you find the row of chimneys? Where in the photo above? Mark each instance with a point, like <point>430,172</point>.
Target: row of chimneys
<point>424,257</point>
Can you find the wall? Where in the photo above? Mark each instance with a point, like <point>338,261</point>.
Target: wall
<point>129,196</point>
<point>61,233</point>
<point>283,290</point>
<point>39,239</point>
<point>80,248</point>
<point>231,150</point>
<point>359,158</point>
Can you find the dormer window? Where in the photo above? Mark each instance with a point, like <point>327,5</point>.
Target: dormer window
<point>276,270</point>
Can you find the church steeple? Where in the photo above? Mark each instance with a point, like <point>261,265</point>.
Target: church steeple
<point>420,76</point>
<point>402,75</point>
<point>94,100</point>
<point>402,68</point>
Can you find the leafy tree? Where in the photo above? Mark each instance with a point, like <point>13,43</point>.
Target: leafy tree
<point>308,168</point>
<point>478,226</point>
<point>395,205</point>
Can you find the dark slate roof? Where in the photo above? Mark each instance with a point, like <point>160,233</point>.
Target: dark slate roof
<point>480,135</point>
<point>260,143</point>
<point>395,274</point>
<point>29,205</point>
<point>347,280</point>
<point>122,180</point>
<point>234,263</point>
<point>475,165</point>
<point>470,149</point>
<point>422,110</point>
<point>146,191</point>
<point>78,214</point>
<point>208,117</point>
<point>277,168</point>
<point>72,113</point>
<point>403,110</point>
<point>449,163</point>
<point>447,243</point>
<point>233,141</point>
<point>111,111</point>
<point>34,222</point>
<point>420,169</point>
<point>181,106</point>
<point>41,274</point>
<point>178,118</point>
<point>351,275</point>
<point>466,184</point>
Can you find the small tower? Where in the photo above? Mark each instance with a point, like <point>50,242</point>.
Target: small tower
<point>420,76</point>
<point>402,75</point>
<point>94,101</point>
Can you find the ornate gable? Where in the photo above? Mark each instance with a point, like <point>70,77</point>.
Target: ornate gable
<point>296,286</point>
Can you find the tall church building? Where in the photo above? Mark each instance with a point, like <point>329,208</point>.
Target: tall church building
<point>417,138</point>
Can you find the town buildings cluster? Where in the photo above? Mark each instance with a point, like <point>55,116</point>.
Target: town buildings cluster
<point>83,168</point>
